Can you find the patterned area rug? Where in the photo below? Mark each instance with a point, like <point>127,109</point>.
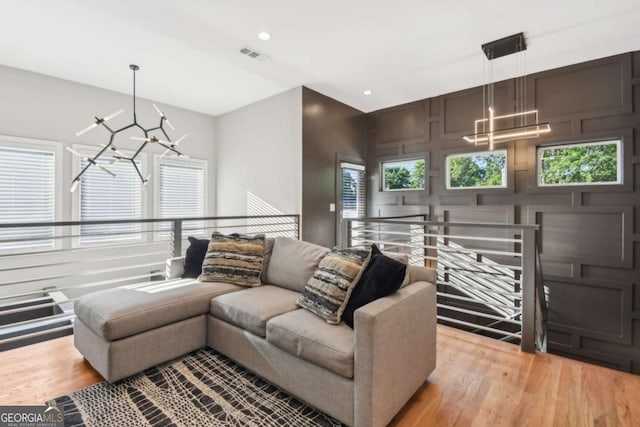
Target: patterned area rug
<point>203,389</point>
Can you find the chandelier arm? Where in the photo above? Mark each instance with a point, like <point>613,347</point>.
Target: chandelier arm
<point>133,162</point>
<point>129,126</point>
<point>106,126</point>
<point>164,132</point>
<point>168,147</point>
<point>139,150</point>
<point>92,161</point>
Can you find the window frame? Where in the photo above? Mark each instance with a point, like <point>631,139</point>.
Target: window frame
<point>505,173</point>
<point>157,160</point>
<point>55,147</point>
<point>618,142</point>
<point>91,150</point>
<point>358,167</point>
<point>404,158</point>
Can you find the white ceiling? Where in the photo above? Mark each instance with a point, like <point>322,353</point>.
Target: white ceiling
<point>403,50</point>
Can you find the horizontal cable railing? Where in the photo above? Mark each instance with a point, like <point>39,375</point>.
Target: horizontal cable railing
<point>42,275</point>
<point>486,273</point>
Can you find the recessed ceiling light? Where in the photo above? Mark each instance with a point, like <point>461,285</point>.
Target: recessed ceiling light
<point>263,35</point>
<point>367,92</point>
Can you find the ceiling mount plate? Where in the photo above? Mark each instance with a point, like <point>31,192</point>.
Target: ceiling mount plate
<point>505,46</point>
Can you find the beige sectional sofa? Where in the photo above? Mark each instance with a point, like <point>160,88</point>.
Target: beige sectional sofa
<point>360,376</point>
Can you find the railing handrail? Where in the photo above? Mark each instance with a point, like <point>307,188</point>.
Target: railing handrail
<point>138,220</point>
<point>504,226</point>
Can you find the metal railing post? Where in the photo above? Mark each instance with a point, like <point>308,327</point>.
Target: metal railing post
<point>349,225</point>
<point>176,238</point>
<point>528,286</point>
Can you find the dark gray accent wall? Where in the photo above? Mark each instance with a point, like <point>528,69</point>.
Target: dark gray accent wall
<point>590,239</point>
<point>329,128</point>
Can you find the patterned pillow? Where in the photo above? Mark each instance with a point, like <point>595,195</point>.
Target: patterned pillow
<point>235,259</point>
<point>327,291</point>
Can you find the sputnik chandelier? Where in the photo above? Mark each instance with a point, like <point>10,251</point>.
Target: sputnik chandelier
<point>487,129</point>
<point>167,144</point>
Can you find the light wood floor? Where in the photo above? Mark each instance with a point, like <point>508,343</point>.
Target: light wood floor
<point>478,381</point>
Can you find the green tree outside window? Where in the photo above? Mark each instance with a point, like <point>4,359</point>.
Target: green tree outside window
<point>591,163</point>
<point>404,175</point>
<point>479,170</point>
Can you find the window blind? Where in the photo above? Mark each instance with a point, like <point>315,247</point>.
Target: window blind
<point>27,187</point>
<point>104,197</point>
<point>353,191</point>
<point>181,194</point>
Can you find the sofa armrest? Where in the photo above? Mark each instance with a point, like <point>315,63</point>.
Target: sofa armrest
<point>175,268</point>
<point>395,351</point>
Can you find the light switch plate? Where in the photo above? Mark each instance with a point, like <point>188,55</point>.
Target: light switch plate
<point>332,207</point>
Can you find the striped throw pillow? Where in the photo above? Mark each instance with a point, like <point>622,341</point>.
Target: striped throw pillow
<point>235,259</point>
<point>327,291</point>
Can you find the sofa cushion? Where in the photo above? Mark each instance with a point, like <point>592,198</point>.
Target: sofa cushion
<point>236,259</point>
<point>119,313</point>
<point>293,262</point>
<point>417,273</point>
<point>194,257</point>
<point>250,309</point>
<point>327,292</point>
<point>308,337</point>
<point>382,277</point>
<point>266,258</point>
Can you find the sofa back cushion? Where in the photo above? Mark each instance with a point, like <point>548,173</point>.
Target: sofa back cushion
<point>417,273</point>
<point>236,259</point>
<point>266,258</point>
<point>293,262</point>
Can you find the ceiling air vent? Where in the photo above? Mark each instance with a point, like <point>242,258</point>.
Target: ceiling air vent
<point>254,54</point>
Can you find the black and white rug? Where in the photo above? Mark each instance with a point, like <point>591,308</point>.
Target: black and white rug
<point>203,389</point>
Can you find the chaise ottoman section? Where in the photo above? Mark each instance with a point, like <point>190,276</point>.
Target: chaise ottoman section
<point>119,359</point>
<point>123,331</point>
<point>118,313</point>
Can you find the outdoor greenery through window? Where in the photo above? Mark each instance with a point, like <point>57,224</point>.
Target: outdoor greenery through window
<point>580,164</point>
<point>487,169</point>
<point>403,175</point>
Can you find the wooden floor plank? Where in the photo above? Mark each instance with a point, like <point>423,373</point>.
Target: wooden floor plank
<point>478,382</point>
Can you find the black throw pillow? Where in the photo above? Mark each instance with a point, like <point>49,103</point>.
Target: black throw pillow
<point>194,258</point>
<point>381,277</point>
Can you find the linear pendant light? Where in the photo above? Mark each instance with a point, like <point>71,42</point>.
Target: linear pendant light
<point>166,143</point>
<point>486,130</point>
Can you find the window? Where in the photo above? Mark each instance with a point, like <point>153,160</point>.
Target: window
<point>27,194</point>
<point>353,190</point>
<point>486,169</point>
<point>181,192</point>
<point>104,197</point>
<point>592,163</point>
<point>402,175</point>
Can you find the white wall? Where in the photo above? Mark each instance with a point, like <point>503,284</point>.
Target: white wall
<point>33,105</point>
<point>259,151</point>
